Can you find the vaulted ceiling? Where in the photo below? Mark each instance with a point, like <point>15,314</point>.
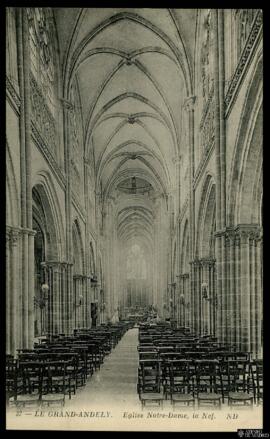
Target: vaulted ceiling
<point>133,68</point>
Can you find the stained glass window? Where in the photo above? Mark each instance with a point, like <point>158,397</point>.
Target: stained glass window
<point>136,263</point>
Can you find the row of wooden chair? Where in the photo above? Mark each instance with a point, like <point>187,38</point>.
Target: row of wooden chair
<point>57,367</point>
<point>191,371</point>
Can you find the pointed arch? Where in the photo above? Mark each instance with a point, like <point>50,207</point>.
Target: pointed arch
<point>244,189</point>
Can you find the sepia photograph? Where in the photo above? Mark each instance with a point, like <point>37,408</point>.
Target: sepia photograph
<point>134,232</point>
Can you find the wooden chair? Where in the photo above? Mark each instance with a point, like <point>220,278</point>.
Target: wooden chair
<point>11,378</point>
<point>56,373</point>
<point>30,374</point>
<point>149,376</point>
<point>256,368</point>
<point>240,383</point>
<point>149,382</point>
<point>206,388</point>
<point>181,385</point>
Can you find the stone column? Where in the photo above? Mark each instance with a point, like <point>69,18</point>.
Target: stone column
<point>197,297</point>
<point>89,300</point>
<point>8,306</point>
<point>27,287</point>
<point>25,274</point>
<point>60,311</point>
<point>83,286</point>
<point>210,305</point>
<point>11,66</point>
<point>63,318</point>
<point>194,290</point>
<point>20,44</point>
<point>252,293</point>
<point>20,303</point>
<point>220,155</point>
<point>79,301</point>
<point>69,318</point>
<point>84,304</point>
<point>204,302</point>
<point>229,243</point>
<point>56,294</point>
<point>70,298</point>
<point>216,301</point>
<point>31,288</point>
<point>180,304</point>
<point>211,295</point>
<point>225,316</point>
<point>12,293</point>
<point>220,298</point>
<point>178,290</point>
<point>76,293</point>
<point>56,275</point>
<point>189,107</point>
<point>188,300</point>
<point>233,311</point>
<point>192,296</point>
<point>200,299</point>
<point>258,295</point>
<point>237,293</point>
<point>245,290</point>
<point>186,305</point>
<point>50,305</point>
<point>27,256</point>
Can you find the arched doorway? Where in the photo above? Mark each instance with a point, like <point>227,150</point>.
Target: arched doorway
<point>46,260</point>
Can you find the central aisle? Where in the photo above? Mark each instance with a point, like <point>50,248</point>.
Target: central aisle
<point>116,381</point>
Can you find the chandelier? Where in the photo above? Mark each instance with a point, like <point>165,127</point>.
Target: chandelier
<point>135,186</point>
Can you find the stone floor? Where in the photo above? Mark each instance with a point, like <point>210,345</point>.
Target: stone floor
<point>116,381</point>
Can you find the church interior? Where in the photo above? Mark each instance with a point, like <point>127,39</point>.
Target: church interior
<point>134,206</point>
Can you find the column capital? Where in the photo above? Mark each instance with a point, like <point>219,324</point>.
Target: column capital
<point>241,232</point>
<point>78,276</point>
<point>230,237</point>
<point>196,262</point>
<point>63,264</point>
<point>27,231</point>
<point>248,232</point>
<point>184,276</point>
<point>14,235</point>
<point>54,264</point>
<point>189,103</point>
<point>208,261</point>
<point>202,262</point>
<point>11,230</point>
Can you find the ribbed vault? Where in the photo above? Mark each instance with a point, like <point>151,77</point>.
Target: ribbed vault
<point>133,69</point>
